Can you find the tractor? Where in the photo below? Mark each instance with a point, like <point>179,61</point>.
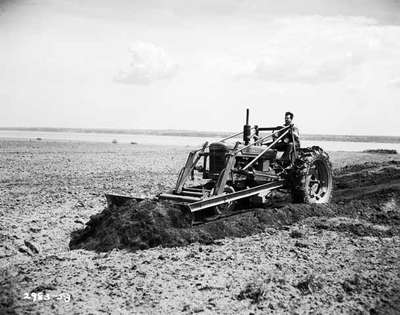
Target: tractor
<point>219,176</point>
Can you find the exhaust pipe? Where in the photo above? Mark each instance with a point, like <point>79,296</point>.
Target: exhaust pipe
<point>246,129</point>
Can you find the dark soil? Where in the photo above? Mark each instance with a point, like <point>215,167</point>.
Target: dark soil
<point>142,225</point>
<point>381,151</point>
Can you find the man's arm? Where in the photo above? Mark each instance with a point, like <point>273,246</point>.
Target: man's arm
<point>278,133</point>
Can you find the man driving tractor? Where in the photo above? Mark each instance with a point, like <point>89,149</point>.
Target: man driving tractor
<point>290,142</point>
<point>249,171</point>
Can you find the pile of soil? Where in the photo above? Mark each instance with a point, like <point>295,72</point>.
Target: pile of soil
<point>367,193</point>
<point>146,224</point>
<point>381,151</point>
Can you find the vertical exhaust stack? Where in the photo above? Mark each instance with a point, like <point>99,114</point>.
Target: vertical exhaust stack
<point>246,129</point>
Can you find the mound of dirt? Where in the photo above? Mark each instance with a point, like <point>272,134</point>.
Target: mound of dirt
<point>367,174</point>
<point>358,227</point>
<point>373,201</point>
<point>381,151</point>
<point>141,225</point>
<point>354,168</point>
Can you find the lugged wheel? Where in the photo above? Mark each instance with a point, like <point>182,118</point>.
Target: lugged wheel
<point>312,181</point>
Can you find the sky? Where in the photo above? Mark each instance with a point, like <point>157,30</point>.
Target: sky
<point>197,65</point>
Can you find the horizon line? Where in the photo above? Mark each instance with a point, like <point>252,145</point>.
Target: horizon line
<point>199,133</point>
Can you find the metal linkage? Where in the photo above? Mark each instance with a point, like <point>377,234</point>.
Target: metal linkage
<point>233,136</point>
<point>260,140</point>
<point>176,197</point>
<point>294,145</point>
<point>229,137</point>
<point>191,162</point>
<point>223,176</point>
<point>224,198</point>
<point>265,150</point>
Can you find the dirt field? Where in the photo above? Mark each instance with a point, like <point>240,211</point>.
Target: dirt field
<point>339,258</point>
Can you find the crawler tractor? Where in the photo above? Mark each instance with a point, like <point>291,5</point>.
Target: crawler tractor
<point>221,175</point>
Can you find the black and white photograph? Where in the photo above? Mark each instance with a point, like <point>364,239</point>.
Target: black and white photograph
<point>200,157</point>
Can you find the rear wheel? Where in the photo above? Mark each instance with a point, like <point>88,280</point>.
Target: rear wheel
<point>312,181</point>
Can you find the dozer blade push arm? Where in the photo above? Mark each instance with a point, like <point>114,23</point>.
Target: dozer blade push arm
<point>191,162</point>
<point>237,195</point>
<point>223,177</point>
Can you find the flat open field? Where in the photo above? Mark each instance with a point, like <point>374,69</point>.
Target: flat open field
<point>340,258</point>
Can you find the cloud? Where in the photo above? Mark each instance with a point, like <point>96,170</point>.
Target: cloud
<point>313,70</point>
<point>316,49</point>
<point>148,63</point>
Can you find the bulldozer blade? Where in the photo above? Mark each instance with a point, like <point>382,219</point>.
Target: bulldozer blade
<point>181,198</point>
<point>119,200</point>
<point>225,198</point>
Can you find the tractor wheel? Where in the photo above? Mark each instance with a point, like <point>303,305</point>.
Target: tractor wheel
<point>313,180</point>
<point>229,206</point>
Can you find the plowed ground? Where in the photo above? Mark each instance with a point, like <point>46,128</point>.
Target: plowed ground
<point>57,237</point>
